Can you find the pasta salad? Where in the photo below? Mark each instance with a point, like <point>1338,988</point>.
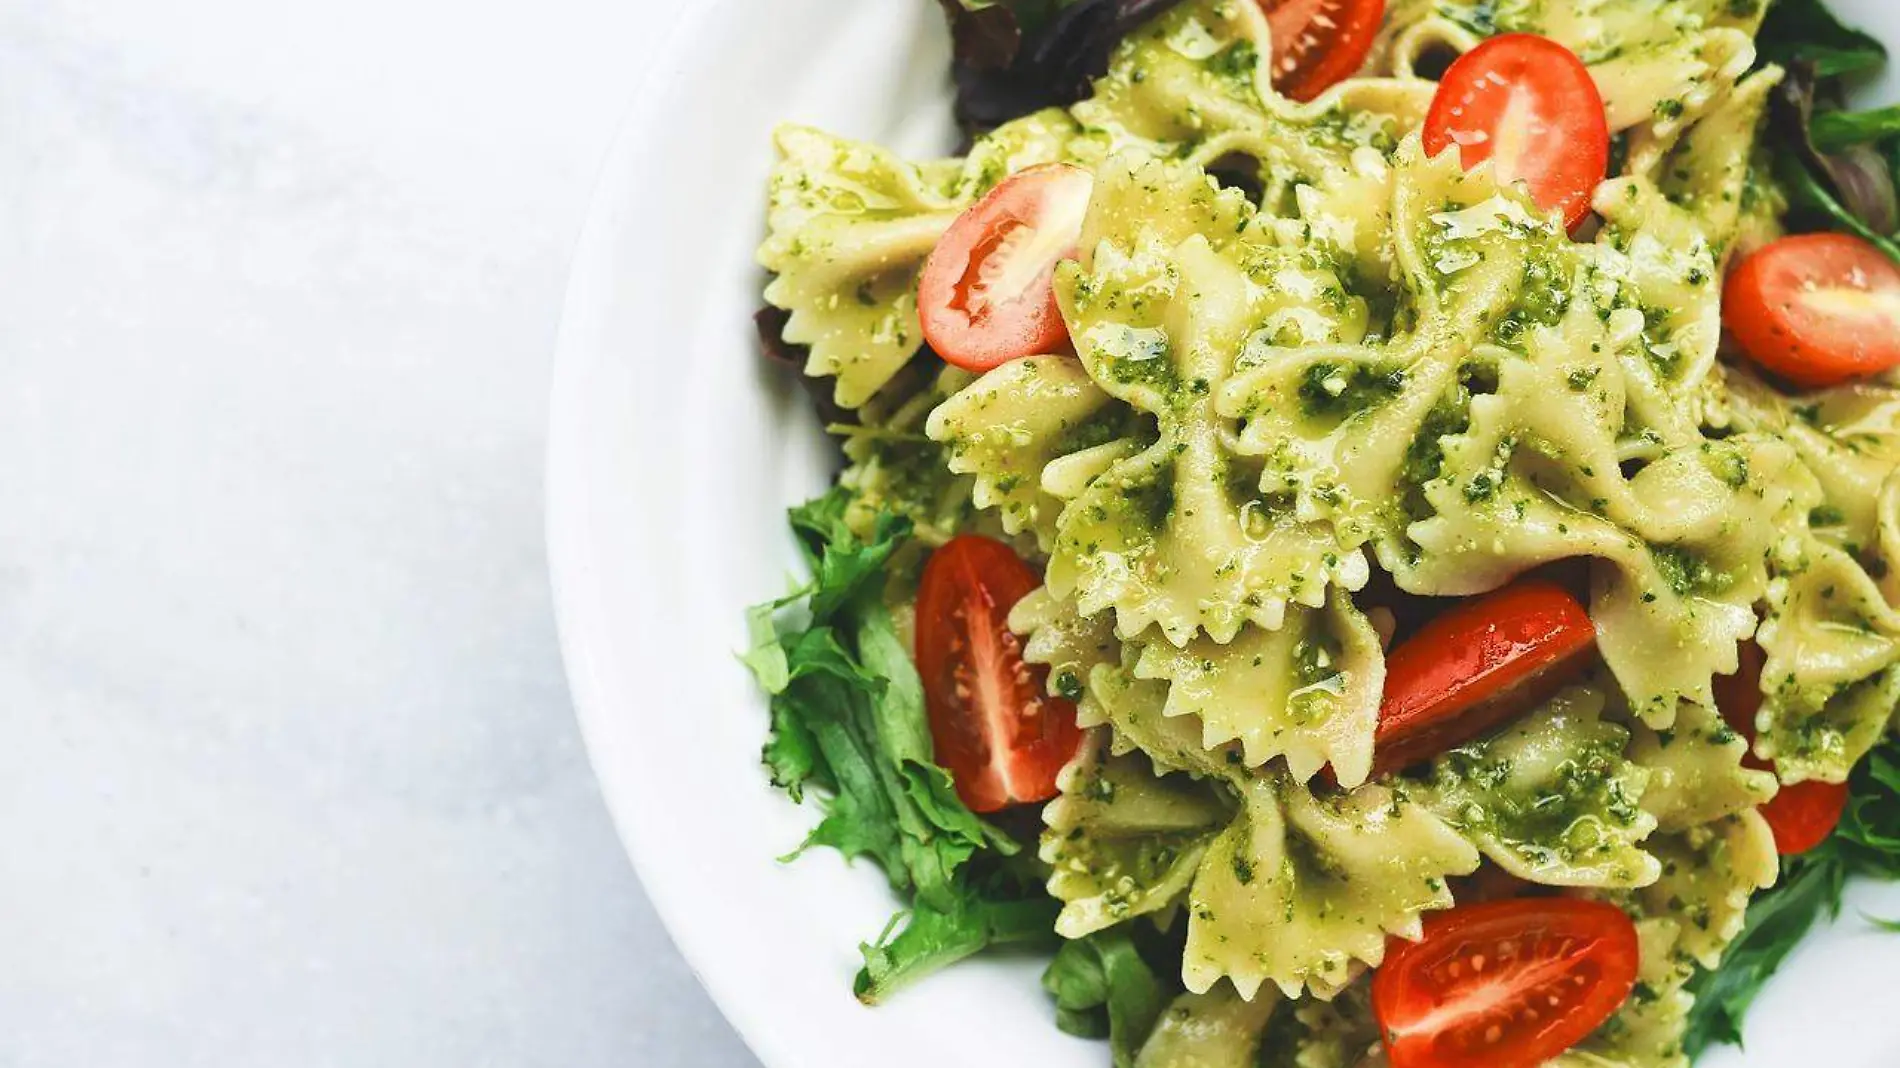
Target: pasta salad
<point>1366,529</point>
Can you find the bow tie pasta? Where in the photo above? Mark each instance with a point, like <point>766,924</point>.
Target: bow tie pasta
<point>849,226</point>
<point>1315,378</point>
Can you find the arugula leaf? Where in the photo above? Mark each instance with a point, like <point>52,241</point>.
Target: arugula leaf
<point>1867,843</point>
<point>848,712</point>
<point>1807,194</point>
<point>1777,920</point>
<point>1806,31</point>
<point>843,568</point>
<point>1851,189</point>
<point>935,938</point>
<point>848,717</point>
<point>1835,130</point>
<point>1869,835</point>
<point>1104,989</point>
<point>766,658</point>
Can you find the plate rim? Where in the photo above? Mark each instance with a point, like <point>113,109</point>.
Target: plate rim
<point>565,493</point>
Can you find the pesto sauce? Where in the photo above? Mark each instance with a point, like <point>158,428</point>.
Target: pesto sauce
<point>1687,573</point>
<point>1337,390</point>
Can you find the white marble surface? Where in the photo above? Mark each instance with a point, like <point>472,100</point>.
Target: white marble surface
<point>289,776</point>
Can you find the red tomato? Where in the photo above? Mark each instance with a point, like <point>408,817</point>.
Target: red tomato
<point>1803,815</point>
<point>1738,698</point>
<point>986,296</point>
<point>1816,309</point>
<point>996,729</point>
<point>1484,662</point>
<point>1529,105</point>
<point>1317,43</point>
<point>1505,984</point>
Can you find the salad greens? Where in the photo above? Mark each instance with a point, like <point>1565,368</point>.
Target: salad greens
<point>1867,843</point>
<point>1015,56</point>
<point>848,720</point>
<point>1805,31</point>
<point>1836,165</point>
<point>1105,988</point>
<point>847,712</point>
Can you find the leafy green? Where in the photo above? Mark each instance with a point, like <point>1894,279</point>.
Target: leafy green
<point>1834,130</point>
<point>1809,195</point>
<point>1000,902</point>
<point>1866,843</point>
<point>1777,920</point>
<point>843,568</point>
<point>1836,165</point>
<point>1806,31</point>
<point>1850,188</point>
<point>848,713</point>
<point>987,35</point>
<point>1105,989</point>
<point>1012,57</point>
<point>848,717</point>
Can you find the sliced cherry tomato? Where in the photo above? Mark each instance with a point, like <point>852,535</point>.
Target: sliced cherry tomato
<point>996,729</point>
<point>1738,698</point>
<point>1505,984</point>
<point>1484,662</point>
<point>987,295</point>
<point>1802,815</point>
<point>1529,105</point>
<point>1816,309</point>
<point>1318,43</point>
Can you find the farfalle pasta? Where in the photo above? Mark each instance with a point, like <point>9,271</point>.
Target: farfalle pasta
<point>1408,529</point>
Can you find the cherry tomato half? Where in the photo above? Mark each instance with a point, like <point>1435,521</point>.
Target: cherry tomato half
<point>1530,106</point>
<point>1802,815</point>
<point>1318,43</point>
<point>996,729</point>
<point>1816,309</point>
<point>1482,663</point>
<point>1504,984</point>
<point>987,294</point>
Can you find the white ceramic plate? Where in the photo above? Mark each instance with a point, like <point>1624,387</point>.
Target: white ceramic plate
<point>673,454</point>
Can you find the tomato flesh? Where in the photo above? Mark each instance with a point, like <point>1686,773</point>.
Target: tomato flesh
<point>1484,662</point>
<point>987,295</point>
<point>1529,106</point>
<point>1001,736</point>
<point>1319,43</point>
<point>1816,309</point>
<point>1803,815</point>
<point>1504,984</point>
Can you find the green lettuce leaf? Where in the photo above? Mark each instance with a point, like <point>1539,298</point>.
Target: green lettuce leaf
<point>848,713</point>
<point>1806,31</point>
<point>1836,165</point>
<point>999,901</point>
<point>1105,989</point>
<point>1835,130</point>
<point>848,718</point>
<point>1867,843</point>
